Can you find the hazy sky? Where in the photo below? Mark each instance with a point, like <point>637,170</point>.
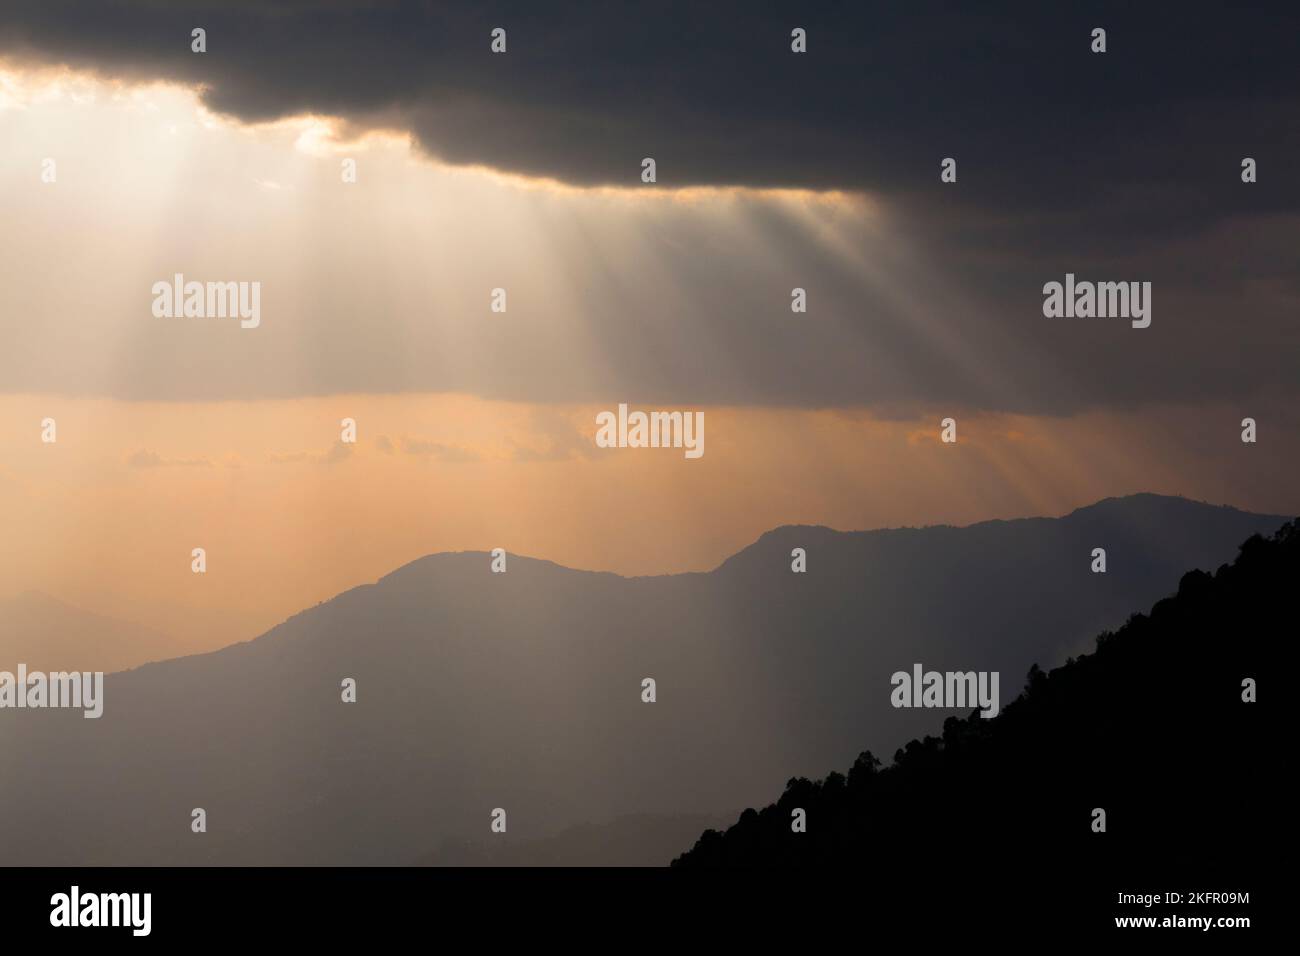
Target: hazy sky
<point>521,171</point>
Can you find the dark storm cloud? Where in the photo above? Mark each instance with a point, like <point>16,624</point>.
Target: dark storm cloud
<point>1146,137</point>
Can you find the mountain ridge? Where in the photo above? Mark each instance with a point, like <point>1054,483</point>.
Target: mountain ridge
<point>523,690</point>
<point>778,533</point>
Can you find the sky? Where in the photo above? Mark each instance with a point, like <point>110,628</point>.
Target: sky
<point>522,171</point>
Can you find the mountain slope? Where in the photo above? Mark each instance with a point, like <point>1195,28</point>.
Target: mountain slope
<point>523,690</point>
<point>1152,728</point>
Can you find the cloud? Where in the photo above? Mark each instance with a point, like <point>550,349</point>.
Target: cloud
<point>446,453</point>
<point>339,451</point>
<point>559,438</point>
<point>144,458</point>
<point>1146,136</point>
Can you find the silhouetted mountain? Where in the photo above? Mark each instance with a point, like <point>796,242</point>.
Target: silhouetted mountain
<point>642,839</point>
<point>1152,728</point>
<point>48,635</point>
<point>523,690</point>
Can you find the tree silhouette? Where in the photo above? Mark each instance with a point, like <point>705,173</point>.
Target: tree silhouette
<point>1151,727</point>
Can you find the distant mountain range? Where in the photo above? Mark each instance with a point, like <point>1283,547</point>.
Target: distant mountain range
<point>522,691</point>
<point>48,635</point>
